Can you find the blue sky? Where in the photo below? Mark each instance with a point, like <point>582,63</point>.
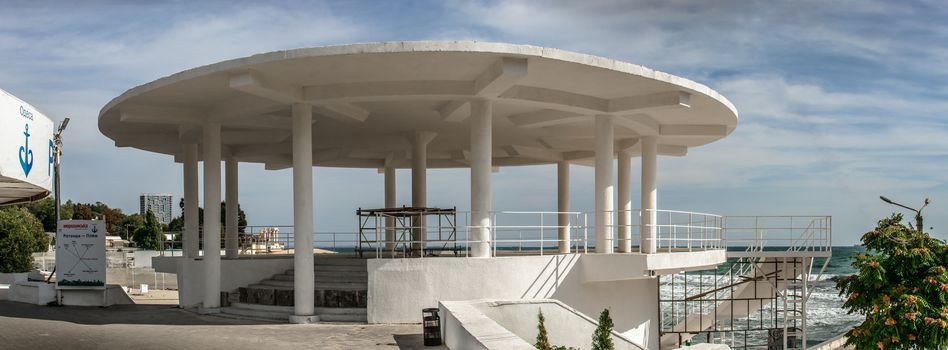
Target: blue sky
<point>840,101</point>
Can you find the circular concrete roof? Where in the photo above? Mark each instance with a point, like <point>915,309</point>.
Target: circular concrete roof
<point>369,99</point>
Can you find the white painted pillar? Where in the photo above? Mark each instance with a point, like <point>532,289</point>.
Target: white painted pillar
<point>481,166</point>
<point>390,203</point>
<point>562,206</point>
<point>649,194</point>
<point>212,216</point>
<point>191,222</point>
<point>303,269</point>
<point>230,216</point>
<point>605,144</point>
<point>625,202</point>
<point>419,185</point>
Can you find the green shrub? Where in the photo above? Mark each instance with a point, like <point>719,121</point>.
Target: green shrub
<point>21,235</point>
<point>602,336</point>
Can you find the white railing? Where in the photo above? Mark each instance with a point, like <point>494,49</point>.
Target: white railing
<point>510,233</point>
<point>807,234</point>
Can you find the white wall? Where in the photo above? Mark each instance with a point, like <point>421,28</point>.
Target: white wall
<point>235,273</point>
<point>400,288</point>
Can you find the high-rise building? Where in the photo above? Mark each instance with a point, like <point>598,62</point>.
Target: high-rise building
<point>160,204</point>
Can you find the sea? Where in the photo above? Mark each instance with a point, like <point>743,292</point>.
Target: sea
<point>826,318</point>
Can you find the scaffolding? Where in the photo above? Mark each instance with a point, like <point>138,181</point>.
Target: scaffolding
<point>408,231</point>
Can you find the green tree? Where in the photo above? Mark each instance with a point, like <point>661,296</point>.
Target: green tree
<point>542,342</point>
<point>602,336</point>
<point>146,236</point>
<point>21,235</point>
<point>901,286</point>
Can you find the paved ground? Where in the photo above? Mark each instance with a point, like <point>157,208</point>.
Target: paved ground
<point>24,326</point>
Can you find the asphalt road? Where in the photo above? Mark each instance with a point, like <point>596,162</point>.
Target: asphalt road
<point>140,327</point>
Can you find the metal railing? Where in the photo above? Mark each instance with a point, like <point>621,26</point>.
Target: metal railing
<point>800,234</point>
<point>510,233</point>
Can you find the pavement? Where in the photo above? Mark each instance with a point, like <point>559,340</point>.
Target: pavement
<point>141,327</point>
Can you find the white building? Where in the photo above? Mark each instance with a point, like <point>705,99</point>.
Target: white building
<point>159,204</point>
<point>482,106</point>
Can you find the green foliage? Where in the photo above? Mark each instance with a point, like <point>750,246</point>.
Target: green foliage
<point>21,235</point>
<point>601,339</point>
<point>147,235</point>
<point>542,342</point>
<point>901,287</point>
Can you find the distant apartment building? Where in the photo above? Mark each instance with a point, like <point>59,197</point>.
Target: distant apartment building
<point>160,204</point>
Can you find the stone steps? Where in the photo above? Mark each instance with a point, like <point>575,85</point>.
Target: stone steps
<point>268,315</point>
<point>340,290</point>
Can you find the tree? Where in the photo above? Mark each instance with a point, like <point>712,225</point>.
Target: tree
<point>21,235</point>
<point>602,339</point>
<point>146,236</point>
<point>542,342</point>
<point>901,286</point>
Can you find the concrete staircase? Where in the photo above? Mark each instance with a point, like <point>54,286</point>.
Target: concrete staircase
<point>341,287</point>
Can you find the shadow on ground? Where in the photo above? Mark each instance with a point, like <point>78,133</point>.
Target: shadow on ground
<point>117,314</point>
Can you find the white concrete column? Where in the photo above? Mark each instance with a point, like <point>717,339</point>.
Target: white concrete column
<point>419,185</point>
<point>605,144</point>
<point>212,216</point>
<point>191,222</point>
<point>390,203</point>
<point>625,202</point>
<point>303,269</point>
<point>230,216</point>
<point>649,194</point>
<point>562,206</point>
<point>481,166</point>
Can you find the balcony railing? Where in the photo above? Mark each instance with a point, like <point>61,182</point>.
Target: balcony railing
<point>511,233</point>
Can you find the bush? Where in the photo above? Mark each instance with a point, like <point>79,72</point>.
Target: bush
<point>21,235</point>
<point>901,287</point>
<point>602,336</point>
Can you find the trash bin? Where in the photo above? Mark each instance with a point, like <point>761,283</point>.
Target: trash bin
<point>431,323</point>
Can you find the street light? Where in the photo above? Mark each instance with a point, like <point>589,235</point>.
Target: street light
<point>918,212</point>
<point>57,152</point>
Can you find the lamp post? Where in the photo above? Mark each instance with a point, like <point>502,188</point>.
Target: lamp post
<point>918,212</point>
<point>57,153</point>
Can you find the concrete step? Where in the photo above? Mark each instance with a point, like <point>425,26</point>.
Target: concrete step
<point>342,286</point>
<point>288,310</point>
<point>278,316</point>
<point>277,283</point>
<point>318,286</point>
<point>341,311</point>
<point>343,318</point>
<point>340,261</point>
<point>329,276</point>
<point>336,268</point>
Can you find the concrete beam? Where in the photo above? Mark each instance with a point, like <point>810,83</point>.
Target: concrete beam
<point>661,100</point>
<point>388,90</point>
<point>161,115</point>
<point>455,111</point>
<point>546,117</point>
<point>533,153</point>
<point>693,130</point>
<point>556,99</point>
<point>672,150</point>
<point>253,83</point>
<point>639,123</point>
<point>342,111</point>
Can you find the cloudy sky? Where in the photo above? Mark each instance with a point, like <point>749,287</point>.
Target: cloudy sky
<point>840,101</point>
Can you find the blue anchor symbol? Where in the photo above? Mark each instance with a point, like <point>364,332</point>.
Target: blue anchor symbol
<point>26,155</point>
<point>95,228</point>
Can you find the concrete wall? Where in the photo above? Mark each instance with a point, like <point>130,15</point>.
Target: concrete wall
<point>235,273</point>
<point>11,278</point>
<point>36,293</point>
<point>400,288</point>
<point>565,326</point>
<point>463,326</point>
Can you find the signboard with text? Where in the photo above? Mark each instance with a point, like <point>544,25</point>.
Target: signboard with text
<point>26,151</point>
<point>80,254</point>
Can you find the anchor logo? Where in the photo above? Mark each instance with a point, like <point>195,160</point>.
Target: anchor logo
<point>26,155</point>
<point>95,228</point>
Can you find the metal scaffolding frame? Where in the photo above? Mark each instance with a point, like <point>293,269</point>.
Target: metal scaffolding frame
<point>411,238</point>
